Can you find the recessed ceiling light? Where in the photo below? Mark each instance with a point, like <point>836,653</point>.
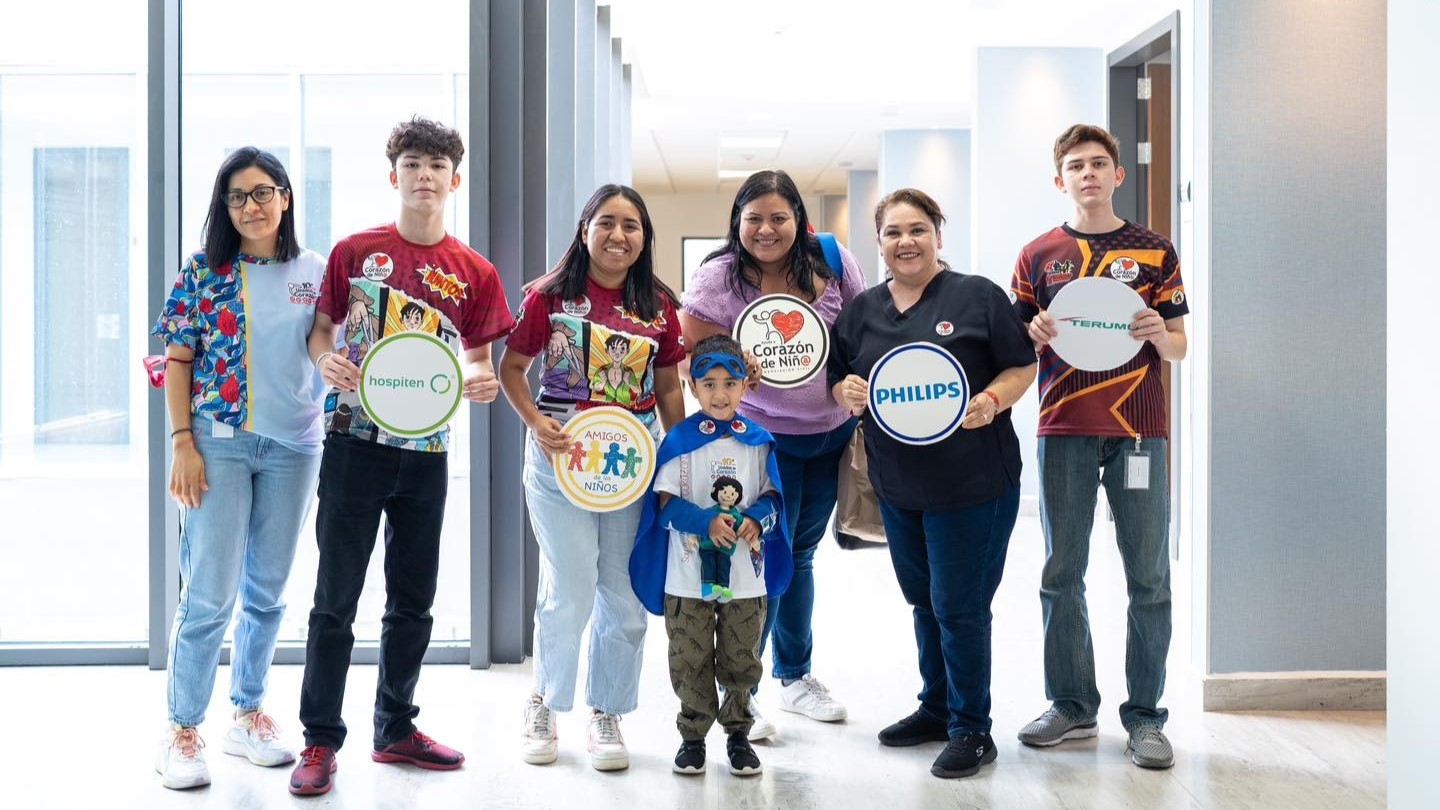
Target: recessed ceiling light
<point>734,174</point>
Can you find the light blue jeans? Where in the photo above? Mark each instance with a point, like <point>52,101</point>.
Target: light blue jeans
<point>584,578</point>
<point>1071,470</point>
<point>240,541</point>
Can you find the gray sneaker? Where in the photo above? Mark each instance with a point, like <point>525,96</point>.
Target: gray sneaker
<point>1148,748</point>
<point>1053,728</point>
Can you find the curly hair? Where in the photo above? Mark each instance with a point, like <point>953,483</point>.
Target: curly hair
<point>425,137</point>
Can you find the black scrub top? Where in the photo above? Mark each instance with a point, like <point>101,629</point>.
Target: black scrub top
<point>986,336</point>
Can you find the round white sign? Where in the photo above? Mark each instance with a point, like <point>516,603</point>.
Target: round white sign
<point>611,462</point>
<point>410,384</point>
<point>786,336</point>
<point>1092,319</point>
<point>918,393</point>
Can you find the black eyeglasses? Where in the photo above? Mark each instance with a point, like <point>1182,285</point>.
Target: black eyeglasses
<point>235,198</point>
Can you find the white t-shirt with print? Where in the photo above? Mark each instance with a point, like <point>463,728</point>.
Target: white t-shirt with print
<point>692,477</point>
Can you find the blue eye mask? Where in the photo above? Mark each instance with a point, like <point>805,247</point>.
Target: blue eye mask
<point>701,365</point>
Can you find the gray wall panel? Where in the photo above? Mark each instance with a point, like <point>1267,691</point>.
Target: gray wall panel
<point>1297,545</point>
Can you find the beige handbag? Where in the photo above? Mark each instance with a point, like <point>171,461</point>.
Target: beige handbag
<point>857,511</point>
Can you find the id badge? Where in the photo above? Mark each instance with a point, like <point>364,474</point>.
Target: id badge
<point>1137,468</point>
<point>222,430</point>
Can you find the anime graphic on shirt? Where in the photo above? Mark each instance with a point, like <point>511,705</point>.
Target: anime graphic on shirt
<point>587,361</point>
<point>617,366</point>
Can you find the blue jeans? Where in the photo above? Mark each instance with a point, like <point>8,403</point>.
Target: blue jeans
<point>240,541</point>
<point>584,579</point>
<point>809,470</point>
<point>949,564</point>
<point>1070,469</point>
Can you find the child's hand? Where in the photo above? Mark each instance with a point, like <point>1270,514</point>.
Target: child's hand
<point>722,533</point>
<point>750,532</point>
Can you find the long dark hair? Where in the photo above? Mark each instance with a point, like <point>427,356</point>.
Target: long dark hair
<point>642,290</point>
<point>806,258</point>
<point>221,239</point>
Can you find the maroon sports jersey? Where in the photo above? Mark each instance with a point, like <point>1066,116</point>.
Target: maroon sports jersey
<point>1123,401</point>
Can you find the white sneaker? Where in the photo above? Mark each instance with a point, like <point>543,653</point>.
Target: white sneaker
<point>541,744</point>
<point>180,764</point>
<point>809,697</point>
<point>762,729</point>
<point>256,737</point>
<point>607,746</point>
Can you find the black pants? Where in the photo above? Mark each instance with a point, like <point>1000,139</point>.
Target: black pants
<point>360,480</point>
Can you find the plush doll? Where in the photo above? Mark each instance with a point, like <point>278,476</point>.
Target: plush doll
<point>715,560</point>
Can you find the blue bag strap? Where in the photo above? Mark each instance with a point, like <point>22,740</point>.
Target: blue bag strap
<point>830,246</point>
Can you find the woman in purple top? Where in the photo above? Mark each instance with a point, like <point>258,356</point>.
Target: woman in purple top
<point>769,249</point>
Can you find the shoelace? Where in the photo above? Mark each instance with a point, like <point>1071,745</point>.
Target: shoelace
<point>606,729</point>
<point>313,756</point>
<point>816,688</point>
<point>187,741</point>
<point>264,726</point>
<point>540,721</point>
<point>420,739</point>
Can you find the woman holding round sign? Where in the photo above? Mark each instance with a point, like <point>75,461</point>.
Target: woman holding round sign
<point>934,360</point>
<point>245,466</point>
<point>606,333</point>
<point>773,286</point>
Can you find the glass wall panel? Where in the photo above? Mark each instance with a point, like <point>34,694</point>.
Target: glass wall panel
<point>73,550</point>
<point>326,110</point>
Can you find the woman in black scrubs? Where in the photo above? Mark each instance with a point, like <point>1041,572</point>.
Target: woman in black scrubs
<point>948,506</point>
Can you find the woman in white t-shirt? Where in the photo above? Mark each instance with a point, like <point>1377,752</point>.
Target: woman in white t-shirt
<point>244,405</point>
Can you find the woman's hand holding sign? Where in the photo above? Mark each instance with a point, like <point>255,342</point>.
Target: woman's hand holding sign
<point>853,392</point>
<point>551,435</point>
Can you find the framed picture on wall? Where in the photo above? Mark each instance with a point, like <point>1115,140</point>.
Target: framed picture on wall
<point>693,250</point>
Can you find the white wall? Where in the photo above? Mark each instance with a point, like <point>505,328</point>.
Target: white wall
<point>1024,98</point>
<point>1413,556</point>
<point>864,194</point>
<point>936,161</point>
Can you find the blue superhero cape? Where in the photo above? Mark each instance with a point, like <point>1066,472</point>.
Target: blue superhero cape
<point>649,558</point>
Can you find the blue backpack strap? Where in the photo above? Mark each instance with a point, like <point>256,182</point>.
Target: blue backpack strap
<point>831,248</point>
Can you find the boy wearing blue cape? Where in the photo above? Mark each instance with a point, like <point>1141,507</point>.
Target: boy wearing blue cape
<point>713,641</point>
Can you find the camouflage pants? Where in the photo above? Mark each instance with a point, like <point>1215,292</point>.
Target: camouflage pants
<point>714,643</point>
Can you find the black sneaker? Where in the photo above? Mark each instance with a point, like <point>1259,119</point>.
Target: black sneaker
<point>743,761</point>
<point>690,759</point>
<point>963,756</point>
<point>913,730</point>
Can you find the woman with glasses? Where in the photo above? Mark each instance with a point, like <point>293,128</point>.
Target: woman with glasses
<point>244,406</point>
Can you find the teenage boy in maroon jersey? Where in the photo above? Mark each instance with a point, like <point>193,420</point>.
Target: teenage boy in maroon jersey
<point>1107,426</point>
<point>396,277</point>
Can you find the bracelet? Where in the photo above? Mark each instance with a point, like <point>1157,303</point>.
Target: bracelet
<point>170,359</point>
<point>178,431</point>
<point>987,392</point>
<point>321,358</point>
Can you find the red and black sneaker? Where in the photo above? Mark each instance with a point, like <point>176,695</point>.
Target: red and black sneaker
<point>311,776</point>
<point>420,751</point>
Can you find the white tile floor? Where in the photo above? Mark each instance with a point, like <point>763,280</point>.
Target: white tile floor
<point>86,736</point>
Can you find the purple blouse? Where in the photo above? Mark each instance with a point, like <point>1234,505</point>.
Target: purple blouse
<point>808,408</point>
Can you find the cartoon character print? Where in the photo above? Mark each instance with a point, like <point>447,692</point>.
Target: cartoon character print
<point>618,365</point>
<point>362,326</point>
<point>564,372</point>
